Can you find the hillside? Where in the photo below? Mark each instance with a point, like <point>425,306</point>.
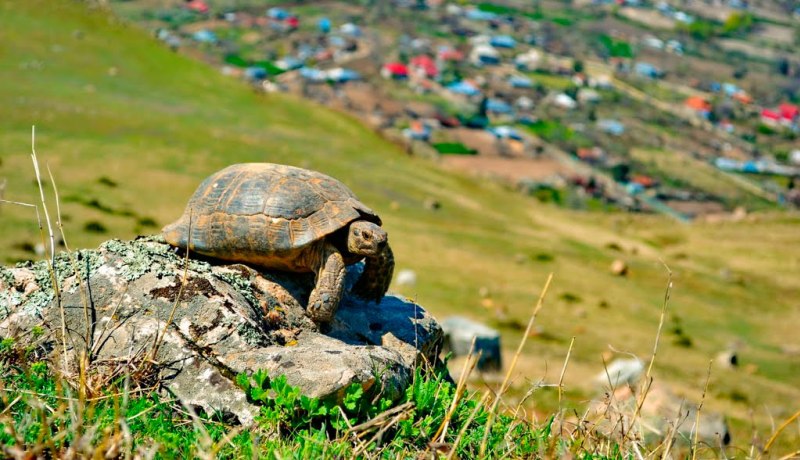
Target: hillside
<point>129,128</point>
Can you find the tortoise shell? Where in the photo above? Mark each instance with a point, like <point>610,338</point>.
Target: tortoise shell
<point>266,214</point>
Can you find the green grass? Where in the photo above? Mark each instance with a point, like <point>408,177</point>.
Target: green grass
<point>454,148</point>
<point>110,102</point>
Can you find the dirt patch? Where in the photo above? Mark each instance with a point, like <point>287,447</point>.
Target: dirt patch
<point>696,208</point>
<point>650,18</point>
<point>747,48</point>
<point>194,287</point>
<point>511,169</point>
<point>778,34</point>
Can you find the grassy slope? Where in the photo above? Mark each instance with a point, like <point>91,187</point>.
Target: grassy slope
<point>109,101</point>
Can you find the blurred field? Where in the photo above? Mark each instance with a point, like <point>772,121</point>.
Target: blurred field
<point>129,129</point>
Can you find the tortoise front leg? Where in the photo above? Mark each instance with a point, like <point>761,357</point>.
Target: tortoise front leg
<point>377,276</point>
<point>324,299</point>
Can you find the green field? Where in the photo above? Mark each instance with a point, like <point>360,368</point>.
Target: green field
<point>129,128</point>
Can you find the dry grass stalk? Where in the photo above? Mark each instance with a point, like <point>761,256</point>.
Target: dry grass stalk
<point>461,386</point>
<point>780,429</point>
<point>504,386</point>
<point>696,427</point>
<point>647,382</point>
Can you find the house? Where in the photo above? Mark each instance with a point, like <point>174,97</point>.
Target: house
<point>786,114</point>
<point>482,55</point>
<point>464,88</point>
<point>505,132</point>
<point>591,154</point>
<point>520,81</point>
<point>699,105</point>
<point>503,41</point>
<point>205,36</point>
<point>448,54</point>
<point>424,66</point>
<point>564,101</point>
<point>324,25</point>
<point>255,73</point>
<point>394,70</point>
<point>350,29</point>
<point>528,61</point>
<point>498,106</point>
<point>474,14</point>
<point>789,112</point>
<point>648,70</point>
<point>278,14</point>
<point>417,131</point>
<point>588,96</point>
<point>524,103</point>
<point>611,126</point>
<point>653,42</point>
<point>341,75</point>
<point>313,75</point>
<point>674,46</point>
<point>289,63</point>
<point>198,6</point>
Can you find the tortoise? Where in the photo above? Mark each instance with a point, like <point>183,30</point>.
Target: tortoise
<point>290,219</point>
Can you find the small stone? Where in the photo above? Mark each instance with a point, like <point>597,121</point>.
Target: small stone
<point>619,268</point>
<point>460,332</point>
<point>406,277</point>
<point>432,204</point>
<point>727,359</point>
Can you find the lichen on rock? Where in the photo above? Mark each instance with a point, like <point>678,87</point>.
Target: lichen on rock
<point>226,319</point>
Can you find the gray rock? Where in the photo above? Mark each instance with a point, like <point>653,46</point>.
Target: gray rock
<point>229,319</point>
<point>460,332</point>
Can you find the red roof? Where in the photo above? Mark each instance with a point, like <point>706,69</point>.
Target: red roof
<point>397,69</point>
<point>451,55</point>
<point>698,103</point>
<point>789,111</point>
<point>426,64</point>
<point>293,21</point>
<point>770,115</point>
<point>197,5</point>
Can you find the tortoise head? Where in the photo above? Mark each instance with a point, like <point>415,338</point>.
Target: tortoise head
<point>366,238</point>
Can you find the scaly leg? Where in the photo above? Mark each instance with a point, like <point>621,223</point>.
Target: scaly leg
<point>324,299</point>
<point>377,276</point>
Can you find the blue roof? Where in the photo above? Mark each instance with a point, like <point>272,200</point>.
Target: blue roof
<point>255,73</point>
<point>324,25</point>
<point>462,87</point>
<point>611,126</point>
<point>205,36</point>
<point>313,74</point>
<point>498,106</point>
<point>505,132</point>
<point>277,13</point>
<point>519,81</point>
<point>503,41</point>
<point>478,15</point>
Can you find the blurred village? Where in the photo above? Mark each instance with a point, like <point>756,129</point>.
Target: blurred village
<point>631,105</point>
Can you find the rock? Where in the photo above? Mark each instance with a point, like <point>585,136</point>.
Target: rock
<point>619,268</point>
<point>621,372</point>
<point>406,277</point>
<point>727,359</point>
<point>459,333</point>
<point>229,319</point>
<point>662,413</point>
<point>432,204</point>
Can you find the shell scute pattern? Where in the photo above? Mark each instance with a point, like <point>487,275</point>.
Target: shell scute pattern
<point>266,214</point>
